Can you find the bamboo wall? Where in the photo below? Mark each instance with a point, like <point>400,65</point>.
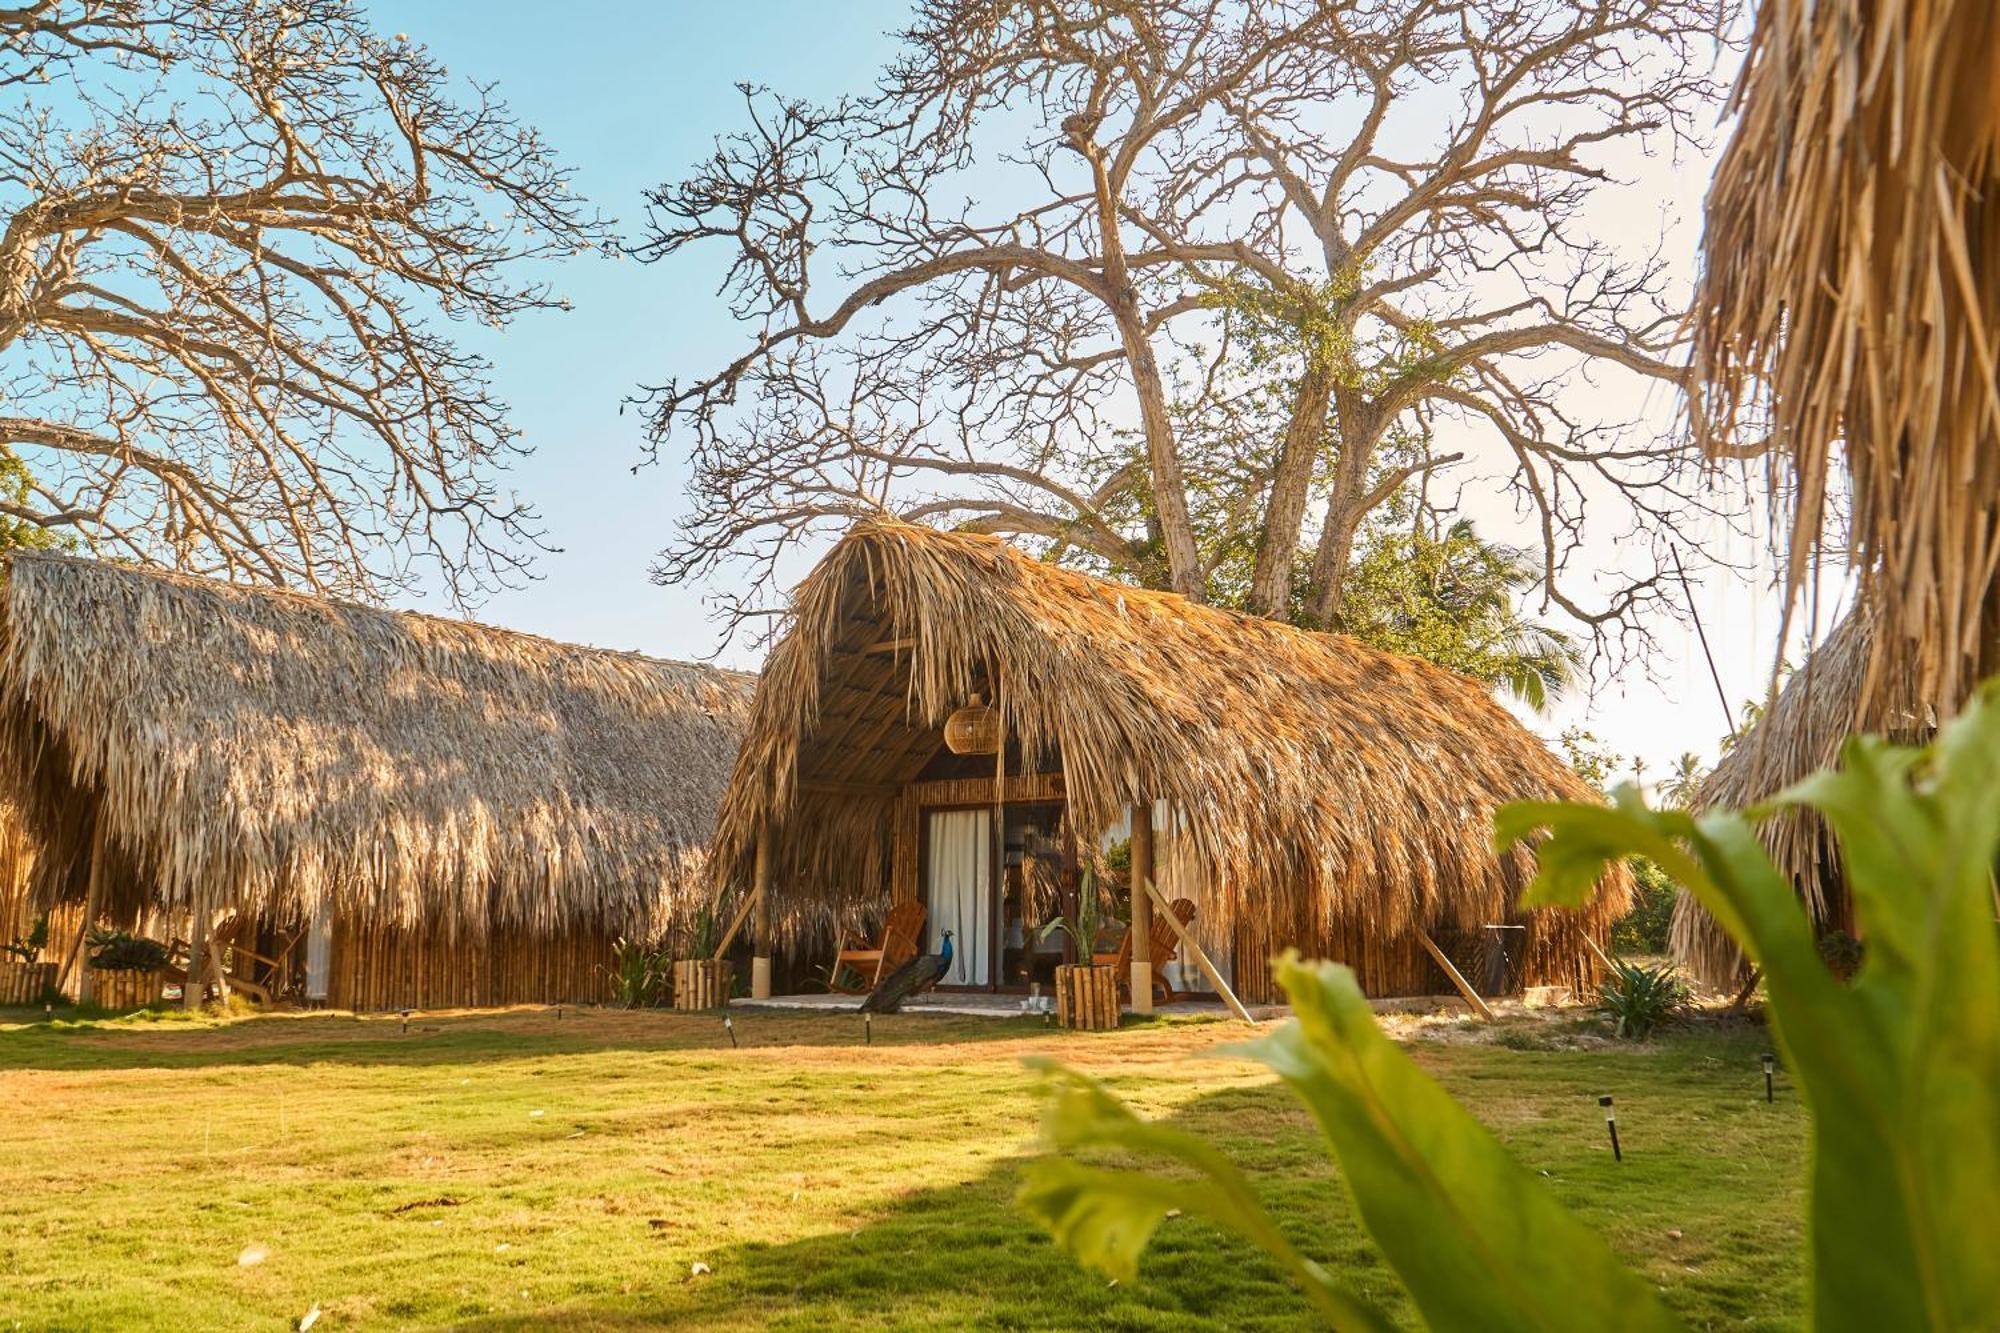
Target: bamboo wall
<point>376,968</point>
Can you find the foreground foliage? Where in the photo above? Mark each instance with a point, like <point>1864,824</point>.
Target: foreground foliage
<point>1901,1073</point>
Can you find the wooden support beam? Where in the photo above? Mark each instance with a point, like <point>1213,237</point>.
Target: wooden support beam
<point>1479,1006</point>
<point>93,903</point>
<point>1142,907</point>
<point>890,645</point>
<point>735,924</point>
<point>1186,937</point>
<point>760,901</point>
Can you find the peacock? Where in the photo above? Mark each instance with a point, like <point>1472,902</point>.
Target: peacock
<point>912,978</point>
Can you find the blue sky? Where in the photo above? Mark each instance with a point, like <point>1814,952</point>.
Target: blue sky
<point>629,100</point>
<point>634,95</point>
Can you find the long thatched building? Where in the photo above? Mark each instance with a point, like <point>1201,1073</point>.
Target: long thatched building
<point>447,813</point>
<point>1307,791</point>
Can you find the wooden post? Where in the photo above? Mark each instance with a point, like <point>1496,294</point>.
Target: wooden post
<point>1186,937</point>
<point>1464,987</point>
<point>198,922</point>
<point>1142,907</point>
<point>93,903</point>
<point>760,897</point>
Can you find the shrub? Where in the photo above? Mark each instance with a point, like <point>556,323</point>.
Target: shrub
<point>29,947</point>
<point>1645,928</point>
<point>640,974</point>
<point>1638,998</point>
<point>119,950</point>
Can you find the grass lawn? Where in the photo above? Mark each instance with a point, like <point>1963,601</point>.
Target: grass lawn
<point>515,1170</point>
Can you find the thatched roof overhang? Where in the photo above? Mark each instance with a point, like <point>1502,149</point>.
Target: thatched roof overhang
<point>1317,778</point>
<point>278,752</point>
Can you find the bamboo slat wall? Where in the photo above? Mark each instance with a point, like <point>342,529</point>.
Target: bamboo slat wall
<point>377,968</point>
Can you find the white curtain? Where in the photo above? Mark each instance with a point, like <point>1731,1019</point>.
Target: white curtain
<point>961,892</point>
<point>319,954</point>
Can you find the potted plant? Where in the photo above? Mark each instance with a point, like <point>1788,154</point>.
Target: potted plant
<point>1086,994</point>
<point>127,970</point>
<point>24,979</point>
<point>701,980</point>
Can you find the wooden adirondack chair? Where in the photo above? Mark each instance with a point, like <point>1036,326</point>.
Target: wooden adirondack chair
<point>228,934</point>
<point>1166,945</point>
<point>902,940</point>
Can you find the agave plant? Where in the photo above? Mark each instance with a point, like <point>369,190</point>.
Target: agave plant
<point>1899,1070</point>
<point>1638,998</point>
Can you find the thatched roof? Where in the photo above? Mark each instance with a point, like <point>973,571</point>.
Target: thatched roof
<point>1820,706</point>
<point>1317,778</point>
<point>278,751</point>
<point>1848,315</point>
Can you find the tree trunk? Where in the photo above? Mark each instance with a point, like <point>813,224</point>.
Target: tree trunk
<point>1163,458</point>
<point>1345,510</point>
<point>1291,488</point>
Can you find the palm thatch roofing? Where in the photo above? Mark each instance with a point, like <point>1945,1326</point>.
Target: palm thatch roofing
<point>1317,779</point>
<point>1848,315</point>
<point>279,753</point>
<point>1802,731</point>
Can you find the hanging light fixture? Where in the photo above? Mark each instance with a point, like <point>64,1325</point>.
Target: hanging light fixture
<point>973,729</point>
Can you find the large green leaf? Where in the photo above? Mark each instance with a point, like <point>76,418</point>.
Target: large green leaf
<point>1901,1071</point>
<point>1480,1243</point>
<point>1105,1217</point>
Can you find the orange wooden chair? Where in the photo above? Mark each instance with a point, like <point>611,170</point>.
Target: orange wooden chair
<point>1166,946</point>
<point>902,940</point>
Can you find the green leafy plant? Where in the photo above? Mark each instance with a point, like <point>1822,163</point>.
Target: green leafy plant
<point>1900,1073</point>
<point>639,974</point>
<point>1645,929</point>
<point>29,947</point>
<point>119,950</point>
<point>1638,998</point>
<point>703,933</point>
<point>1082,931</point>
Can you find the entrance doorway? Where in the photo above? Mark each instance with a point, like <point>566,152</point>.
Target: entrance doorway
<point>958,890</point>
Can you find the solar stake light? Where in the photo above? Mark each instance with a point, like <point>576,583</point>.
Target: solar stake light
<point>729,1026</point>
<point>1611,1123</point>
<point>406,1022</point>
<point>867,1028</point>
<point>1770,1067</point>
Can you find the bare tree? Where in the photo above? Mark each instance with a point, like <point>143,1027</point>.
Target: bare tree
<point>234,234</point>
<point>1296,241</point>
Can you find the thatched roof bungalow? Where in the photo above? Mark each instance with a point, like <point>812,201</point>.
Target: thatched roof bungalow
<point>475,812</point>
<point>1310,791</point>
<point>1802,731</point>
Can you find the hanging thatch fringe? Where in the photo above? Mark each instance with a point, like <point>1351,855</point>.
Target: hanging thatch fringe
<point>1850,312</point>
<point>282,752</point>
<point>1319,781</point>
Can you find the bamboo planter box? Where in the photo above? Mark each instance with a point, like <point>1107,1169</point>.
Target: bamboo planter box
<point>26,983</point>
<point>1087,997</point>
<point>126,988</point>
<point>701,983</point>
